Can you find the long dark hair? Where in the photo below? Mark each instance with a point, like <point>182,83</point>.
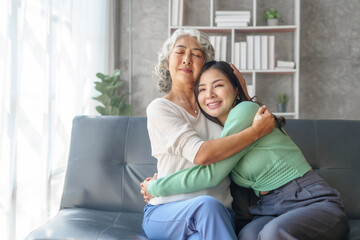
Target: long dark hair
<point>226,69</point>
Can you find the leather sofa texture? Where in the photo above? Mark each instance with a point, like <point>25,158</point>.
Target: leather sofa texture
<point>110,155</point>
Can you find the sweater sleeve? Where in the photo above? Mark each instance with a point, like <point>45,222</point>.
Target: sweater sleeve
<point>201,177</point>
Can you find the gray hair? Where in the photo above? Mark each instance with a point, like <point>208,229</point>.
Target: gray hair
<point>161,72</point>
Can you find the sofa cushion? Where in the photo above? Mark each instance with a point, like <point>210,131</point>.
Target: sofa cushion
<point>78,223</point>
<point>332,149</point>
<point>109,157</point>
<point>354,233</point>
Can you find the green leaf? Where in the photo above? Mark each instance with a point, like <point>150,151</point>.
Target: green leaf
<point>116,72</point>
<point>116,101</point>
<point>104,99</point>
<point>121,104</point>
<point>122,95</point>
<point>100,110</point>
<point>117,85</point>
<point>108,80</point>
<point>101,87</point>
<point>108,110</point>
<point>100,75</point>
<point>115,111</point>
<point>115,75</point>
<point>127,110</point>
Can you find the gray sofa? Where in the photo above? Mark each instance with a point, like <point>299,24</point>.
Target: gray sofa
<point>110,156</point>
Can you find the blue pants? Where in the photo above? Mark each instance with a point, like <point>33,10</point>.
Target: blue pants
<point>305,208</point>
<point>202,217</point>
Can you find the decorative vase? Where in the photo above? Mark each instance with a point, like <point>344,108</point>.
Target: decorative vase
<point>273,22</point>
<point>281,107</point>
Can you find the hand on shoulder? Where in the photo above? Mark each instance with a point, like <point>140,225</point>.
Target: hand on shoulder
<point>263,122</point>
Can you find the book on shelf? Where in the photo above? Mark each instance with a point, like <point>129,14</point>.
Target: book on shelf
<point>240,57</point>
<point>285,64</point>
<point>232,24</point>
<point>174,12</point>
<point>271,52</point>
<point>264,52</point>
<point>257,52</point>
<point>232,18</point>
<point>223,50</point>
<point>243,57</point>
<point>238,13</point>
<point>237,55</point>
<point>212,40</point>
<point>250,52</point>
<point>181,13</point>
<point>219,43</point>
<point>177,9</point>
<point>217,48</point>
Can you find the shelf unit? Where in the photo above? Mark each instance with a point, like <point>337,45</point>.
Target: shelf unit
<point>255,29</point>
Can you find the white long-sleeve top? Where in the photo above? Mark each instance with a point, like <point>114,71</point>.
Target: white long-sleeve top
<point>175,137</point>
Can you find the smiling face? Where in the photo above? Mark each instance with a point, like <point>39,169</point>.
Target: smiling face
<point>216,94</point>
<point>185,61</point>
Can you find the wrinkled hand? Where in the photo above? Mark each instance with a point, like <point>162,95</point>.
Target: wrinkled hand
<point>241,80</point>
<point>144,186</point>
<point>263,122</point>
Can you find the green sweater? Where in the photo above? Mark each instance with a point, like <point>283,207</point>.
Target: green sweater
<point>267,164</point>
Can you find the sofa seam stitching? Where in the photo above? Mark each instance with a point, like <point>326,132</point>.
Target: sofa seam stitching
<point>125,157</point>
<point>111,225</point>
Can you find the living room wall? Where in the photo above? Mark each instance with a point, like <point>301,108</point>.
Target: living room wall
<point>329,53</point>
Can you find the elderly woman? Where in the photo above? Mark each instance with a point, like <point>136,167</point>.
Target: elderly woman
<point>181,136</point>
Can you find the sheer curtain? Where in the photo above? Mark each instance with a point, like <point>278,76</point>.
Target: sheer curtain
<point>50,51</point>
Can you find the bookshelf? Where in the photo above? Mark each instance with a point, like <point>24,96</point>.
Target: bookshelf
<point>237,34</point>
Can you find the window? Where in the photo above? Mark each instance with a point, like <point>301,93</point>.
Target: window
<point>50,51</point>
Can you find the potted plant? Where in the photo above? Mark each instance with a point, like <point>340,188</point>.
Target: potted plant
<point>272,17</point>
<point>111,96</point>
<point>282,99</point>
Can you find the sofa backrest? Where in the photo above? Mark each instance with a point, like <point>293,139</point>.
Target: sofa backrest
<point>332,147</point>
<point>109,157</point>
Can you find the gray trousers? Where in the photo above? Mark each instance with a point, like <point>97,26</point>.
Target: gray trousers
<point>305,208</point>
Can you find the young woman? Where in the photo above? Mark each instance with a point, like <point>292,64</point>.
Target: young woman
<point>181,137</point>
<point>295,202</point>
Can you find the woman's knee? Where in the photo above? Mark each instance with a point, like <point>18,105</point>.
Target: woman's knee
<point>210,207</point>
<point>211,203</point>
<point>247,234</point>
<point>274,230</point>
<point>252,229</point>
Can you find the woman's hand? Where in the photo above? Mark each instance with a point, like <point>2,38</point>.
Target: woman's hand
<point>241,80</point>
<point>263,122</point>
<point>144,186</point>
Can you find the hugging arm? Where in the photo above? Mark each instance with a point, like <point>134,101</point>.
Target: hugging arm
<point>201,177</point>
<point>215,150</point>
